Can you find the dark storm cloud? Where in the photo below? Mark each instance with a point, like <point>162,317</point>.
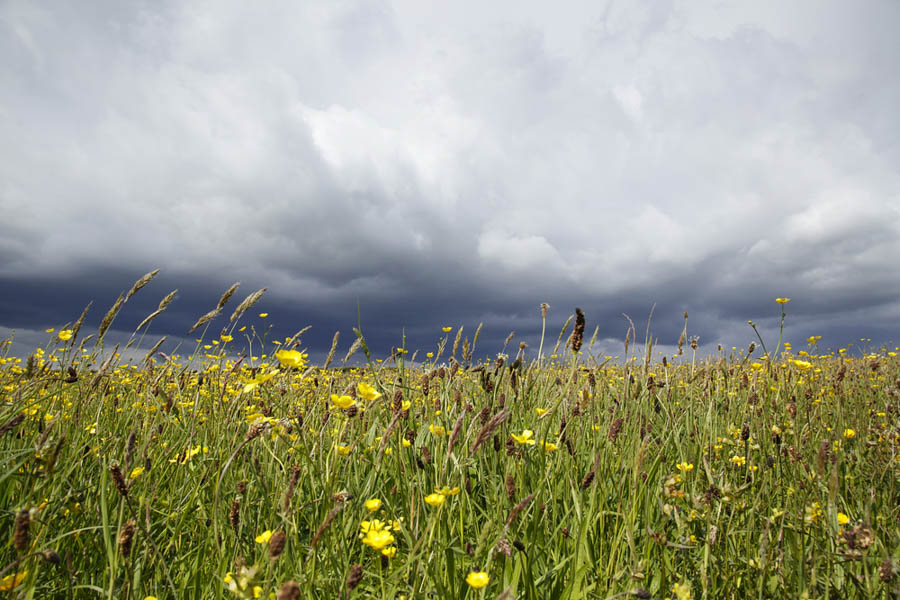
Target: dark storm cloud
<point>433,168</point>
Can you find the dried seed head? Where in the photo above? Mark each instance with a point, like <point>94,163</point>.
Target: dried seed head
<point>234,515</point>
<point>141,283</point>
<point>614,429</point>
<point>247,304</point>
<point>544,308</point>
<point>51,556</point>
<point>578,332</point>
<point>256,430</point>
<point>227,296</point>
<point>518,509</point>
<point>109,317</point>
<point>887,570</point>
<point>241,487</point>
<point>126,537</point>
<point>588,480</point>
<point>276,544</point>
<point>510,487</point>
<point>745,432</point>
<point>354,577</point>
<point>289,591</point>
<point>118,480</point>
<point>324,526</point>
<point>21,530</point>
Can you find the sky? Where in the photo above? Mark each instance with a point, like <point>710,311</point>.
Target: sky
<point>421,164</point>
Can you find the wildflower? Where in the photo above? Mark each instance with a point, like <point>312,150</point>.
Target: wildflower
<point>65,335</point>
<point>478,579</point>
<point>263,315</point>
<point>342,401</point>
<point>378,538</point>
<point>779,301</point>
<point>343,449</point>
<point>525,437</point>
<point>446,491</point>
<point>291,358</point>
<point>437,430</point>
<point>264,537</point>
<point>405,405</point>
<point>738,461</point>
<point>435,499</point>
<point>136,472</point>
<point>842,519</point>
<point>11,582</point>
<point>801,364</point>
<point>444,329</point>
<point>540,411</point>
<point>682,591</point>
<point>367,392</point>
<point>390,551</point>
<point>849,433</point>
<point>549,446</point>
<point>812,513</point>
<point>373,504</point>
<point>684,467</point>
<point>429,355</point>
<point>226,338</point>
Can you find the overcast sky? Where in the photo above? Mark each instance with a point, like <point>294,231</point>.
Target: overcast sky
<point>455,162</point>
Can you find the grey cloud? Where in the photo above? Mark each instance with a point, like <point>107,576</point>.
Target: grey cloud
<point>436,167</point>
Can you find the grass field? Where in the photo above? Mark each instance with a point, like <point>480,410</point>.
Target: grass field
<point>205,475</point>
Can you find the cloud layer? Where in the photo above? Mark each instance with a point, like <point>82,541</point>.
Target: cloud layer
<point>456,164</point>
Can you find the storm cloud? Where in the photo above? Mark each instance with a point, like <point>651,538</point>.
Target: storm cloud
<point>453,164</point>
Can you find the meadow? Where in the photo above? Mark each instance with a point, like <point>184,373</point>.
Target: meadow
<point>236,469</point>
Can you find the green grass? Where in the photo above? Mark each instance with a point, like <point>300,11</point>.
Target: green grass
<point>767,465</point>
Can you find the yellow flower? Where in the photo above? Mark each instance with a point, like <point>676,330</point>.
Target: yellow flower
<point>801,364</point>
<point>446,329</point>
<point>849,433</point>
<point>842,519</point>
<point>446,491</point>
<point>779,301</point>
<point>65,335</point>
<point>435,499</point>
<point>367,392</point>
<point>437,429</point>
<point>478,579</point>
<point>343,449</point>
<point>682,591</point>
<point>263,315</point>
<point>378,538</point>
<point>149,597</point>
<point>390,551</point>
<point>405,405</point>
<point>373,504</point>
<point>226,338</point>
<point>291,358</point>
<point>136,472</point>
<point>429,355</point>
<point>549,446</point>
<point>264,537</point>
<point>11,582</point>
<point>684,467</point>
<point>342,401</point>
<point>739,461</point>
<point>525,437</point>
<point>406,443</point>
<point>540,411</point>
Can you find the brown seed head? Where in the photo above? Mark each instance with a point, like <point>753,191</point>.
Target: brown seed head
<point>276,544</point>
<point>289,591</point>
<point>354,577</point>
<point>21,530</point>
<point>118,480</point>
<point>126,537</point>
